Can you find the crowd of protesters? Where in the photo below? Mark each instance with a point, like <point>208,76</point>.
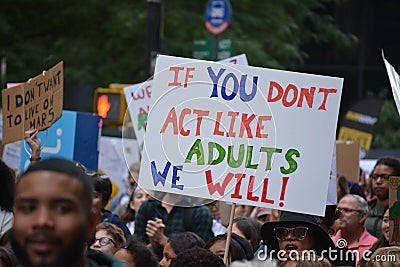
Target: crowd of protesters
<point>58,213</point>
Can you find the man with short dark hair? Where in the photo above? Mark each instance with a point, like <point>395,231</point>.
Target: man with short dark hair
<point>54,219</point>
<point>102,190</point>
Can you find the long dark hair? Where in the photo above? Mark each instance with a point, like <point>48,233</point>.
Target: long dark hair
<point>251,229</point>
<point>129,213</point>
<point>7,185</point>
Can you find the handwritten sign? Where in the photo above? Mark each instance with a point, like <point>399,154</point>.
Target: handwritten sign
<point>394,210</point>
<point>241,134</point>
<point>138,97</point>
<point>37,103</point>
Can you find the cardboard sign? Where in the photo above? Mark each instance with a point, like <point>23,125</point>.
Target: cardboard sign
<point>348,159</point>
<point>75,136</point>
<point>241,134</point>
<point>394,210</point>
<point>35,104</point>
<point>138,97</point>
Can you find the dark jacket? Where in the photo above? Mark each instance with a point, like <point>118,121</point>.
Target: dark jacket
<point>107,216</point>
<point>99,259</point>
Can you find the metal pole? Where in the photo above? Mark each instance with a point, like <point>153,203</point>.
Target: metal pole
<point>154,19</point>
<point>215,47</point>
<point>3,71</point>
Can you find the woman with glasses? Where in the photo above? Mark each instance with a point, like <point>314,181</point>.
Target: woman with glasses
<point>379,178</point>
<point>296,234</point>
<point>108,238</point>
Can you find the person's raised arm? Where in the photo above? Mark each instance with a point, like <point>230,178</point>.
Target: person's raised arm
<point>33,142</point>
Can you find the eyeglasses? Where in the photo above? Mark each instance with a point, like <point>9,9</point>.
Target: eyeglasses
<point>299,232</point>
<point>104,241</point>
<point>212,205</point>
<point>384,177</point>
<point>339,211</point>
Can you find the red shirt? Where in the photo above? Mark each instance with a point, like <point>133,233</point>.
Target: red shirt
<point>364,243</point>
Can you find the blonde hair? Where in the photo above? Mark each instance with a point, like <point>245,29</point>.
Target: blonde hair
<point>385,254</point>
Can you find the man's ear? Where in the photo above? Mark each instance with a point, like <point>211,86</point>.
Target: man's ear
<point>94,217</point>
<point>363,217</point>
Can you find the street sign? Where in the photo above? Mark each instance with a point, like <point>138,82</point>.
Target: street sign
<point>203,49</point>
<point>217,16</point>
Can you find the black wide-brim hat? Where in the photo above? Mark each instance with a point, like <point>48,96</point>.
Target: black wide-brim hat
<point>321,239</point>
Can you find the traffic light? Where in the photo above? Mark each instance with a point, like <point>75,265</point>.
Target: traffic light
<point>110,104</point>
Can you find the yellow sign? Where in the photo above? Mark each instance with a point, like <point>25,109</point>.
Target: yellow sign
<point>364,138</point>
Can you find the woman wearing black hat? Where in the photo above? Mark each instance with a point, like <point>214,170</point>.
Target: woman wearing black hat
<point>298,235</point>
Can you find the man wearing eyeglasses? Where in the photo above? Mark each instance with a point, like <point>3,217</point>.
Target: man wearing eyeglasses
<point>384,168</point>
<point>352,211</point>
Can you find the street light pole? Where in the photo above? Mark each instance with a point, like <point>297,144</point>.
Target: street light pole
<point>3,71</point>
<point>154,30</point>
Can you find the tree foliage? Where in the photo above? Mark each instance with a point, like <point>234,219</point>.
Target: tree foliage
<point>387,128</point>
<point>103,42</point>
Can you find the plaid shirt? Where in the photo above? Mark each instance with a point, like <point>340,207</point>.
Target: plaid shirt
<point>174,221</point>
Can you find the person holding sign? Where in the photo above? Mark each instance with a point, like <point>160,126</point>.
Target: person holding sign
<point>156,220</point>
<point>33,141</point>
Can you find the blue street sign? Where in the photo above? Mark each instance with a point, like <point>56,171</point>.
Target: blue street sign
<point>217,16</point>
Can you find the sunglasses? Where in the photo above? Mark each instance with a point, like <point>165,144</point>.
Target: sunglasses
<point>299,232</point>
<point>384,177</point>
<point>340,211</point>
<point>104,241</point>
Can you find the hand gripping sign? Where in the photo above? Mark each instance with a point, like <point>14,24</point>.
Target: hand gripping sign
<point>241,134</point>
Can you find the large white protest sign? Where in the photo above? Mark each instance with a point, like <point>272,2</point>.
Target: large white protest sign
<point>394,81</point>
<point>138,98</point>
<point>241,134</point>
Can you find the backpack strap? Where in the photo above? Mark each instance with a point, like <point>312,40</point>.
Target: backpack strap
<point>111,218</point>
